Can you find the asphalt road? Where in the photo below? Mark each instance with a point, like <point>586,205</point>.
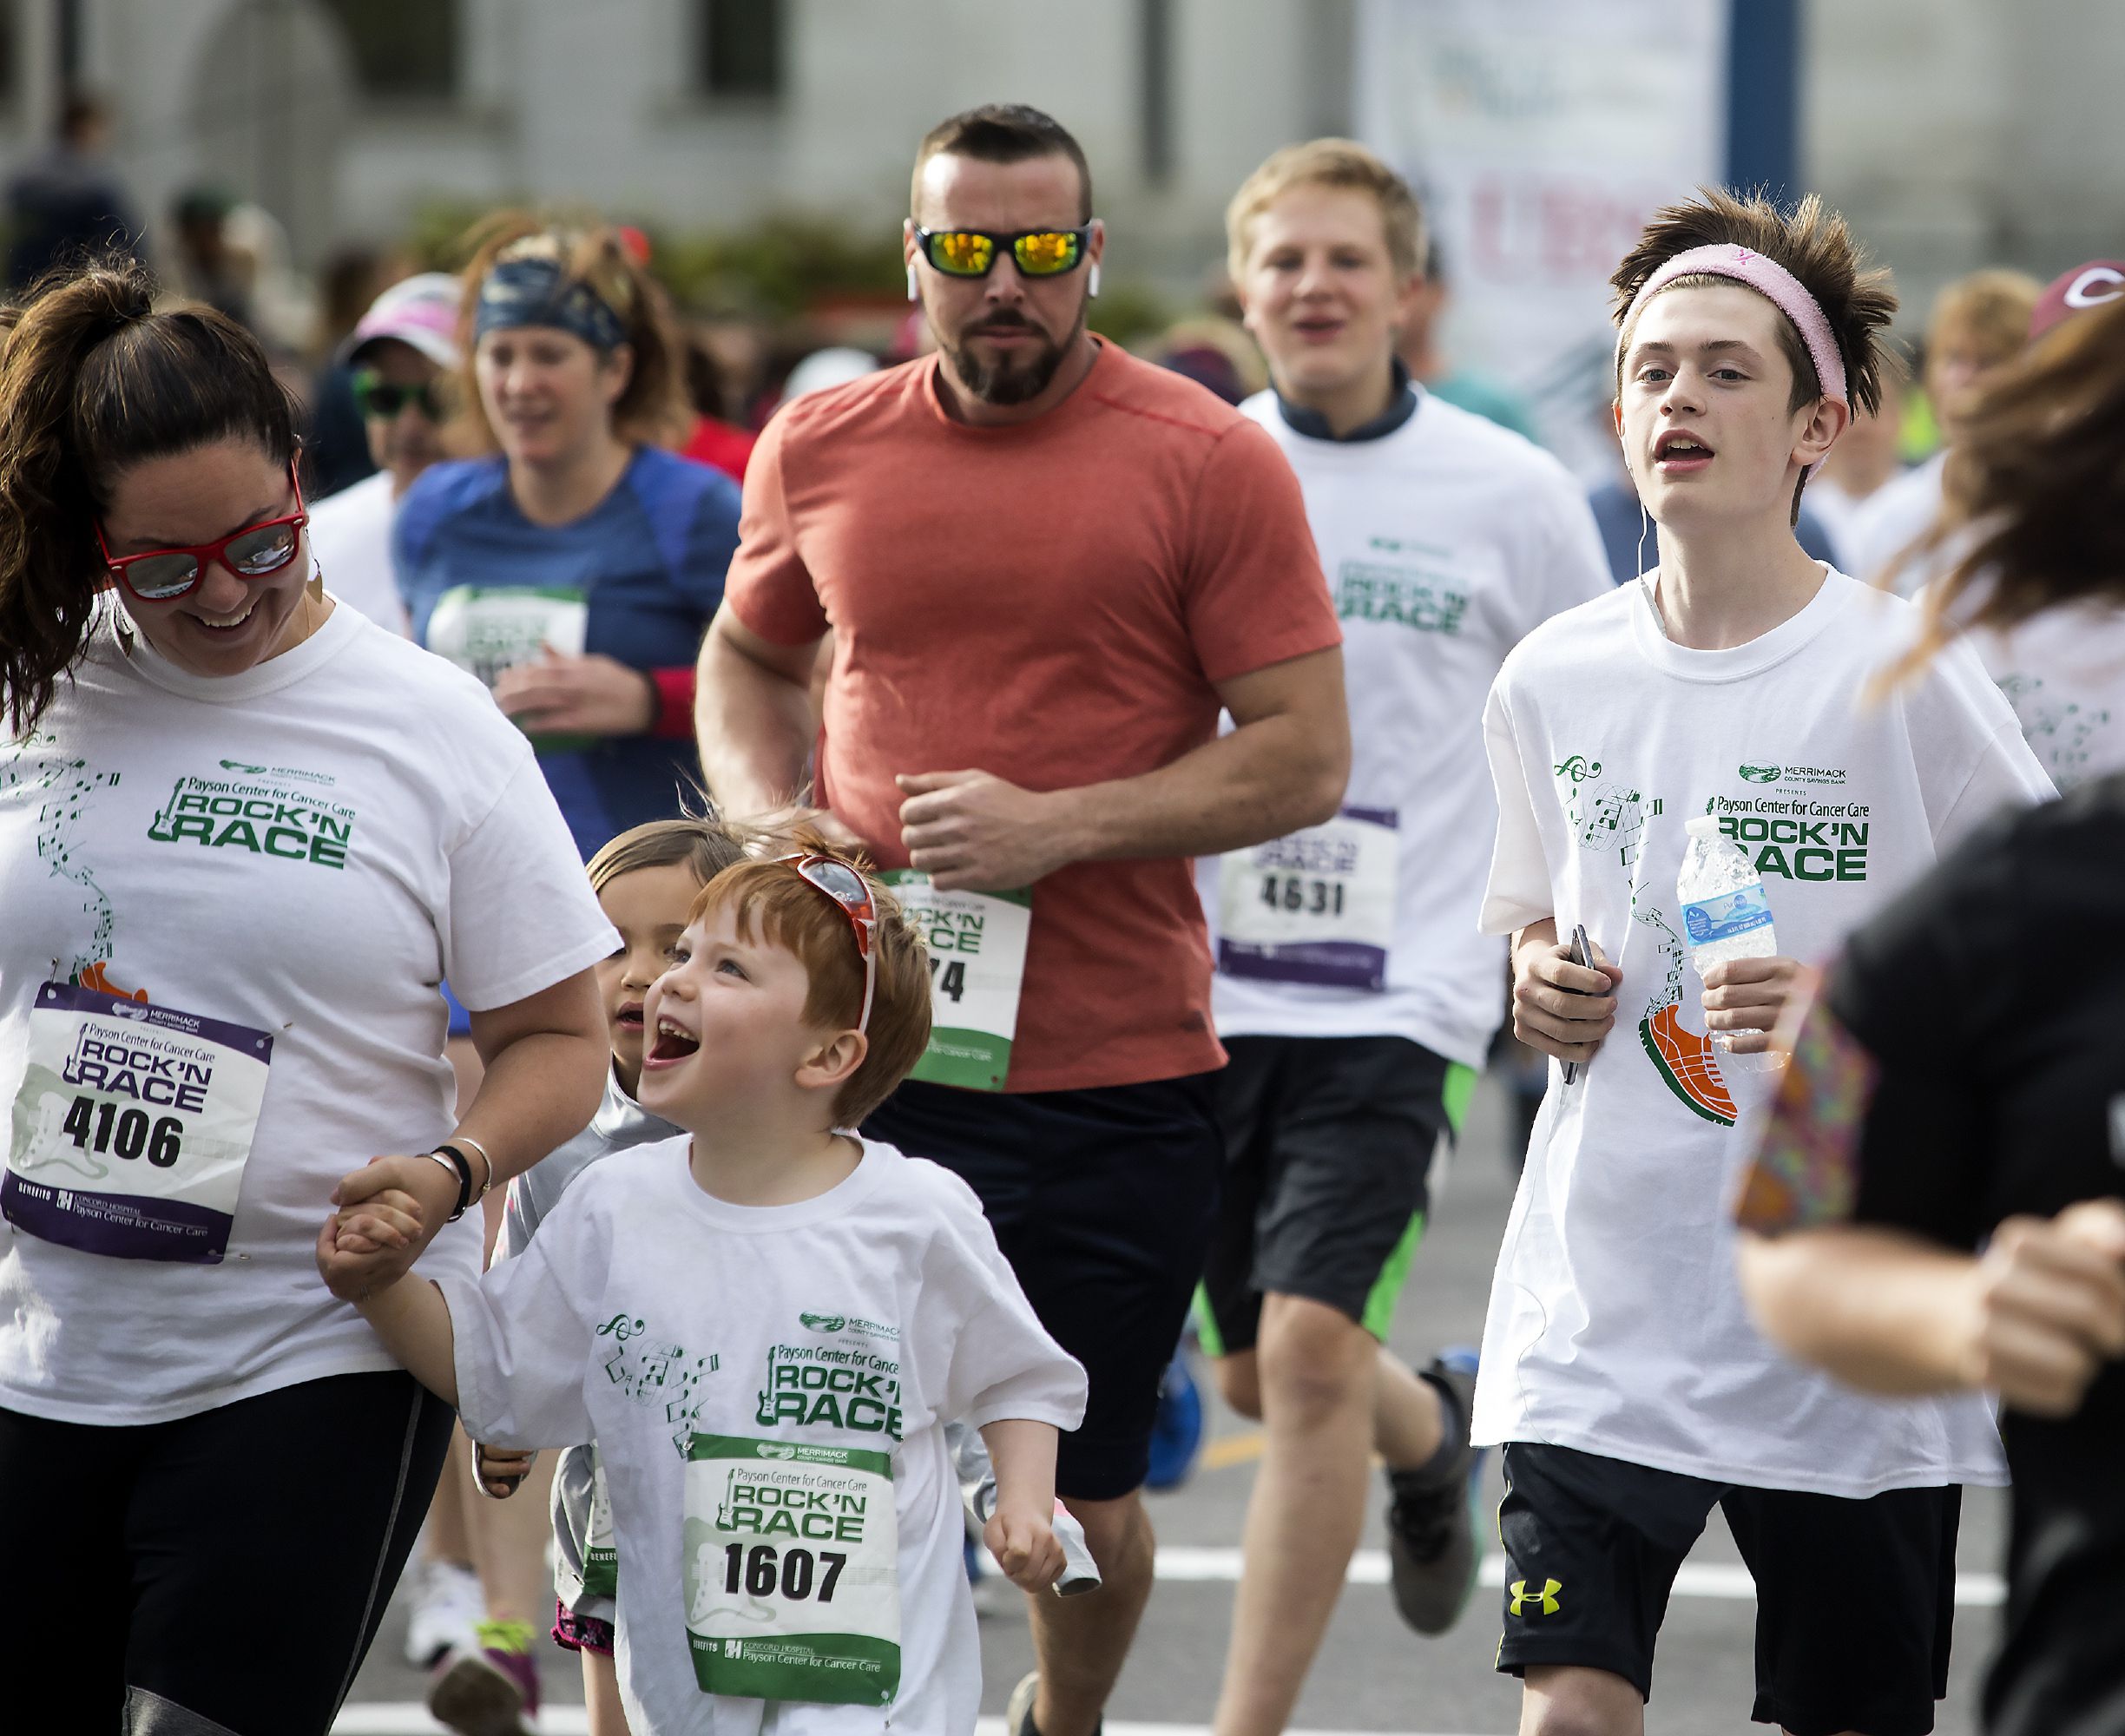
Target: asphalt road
<point>1372,1674</point>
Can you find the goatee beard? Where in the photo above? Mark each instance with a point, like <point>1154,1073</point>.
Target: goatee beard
<point>1012,382</point>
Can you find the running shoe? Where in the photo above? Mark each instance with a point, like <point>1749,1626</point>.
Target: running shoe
<point>1018,1709</point>
<point>1431,1517</point>
<point>1177,1430</point>
<point>493,1691</point>
<point>447,1610</point>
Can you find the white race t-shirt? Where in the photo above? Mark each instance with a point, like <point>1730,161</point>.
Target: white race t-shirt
<point>2063,672</point>
<point>302,849</point>
<point>1445,541</point>
<point>350,535</point>
<point>1616,1323</point>
<point>645,1311</point>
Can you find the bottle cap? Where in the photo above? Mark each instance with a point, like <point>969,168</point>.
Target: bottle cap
<point>1702,825</point>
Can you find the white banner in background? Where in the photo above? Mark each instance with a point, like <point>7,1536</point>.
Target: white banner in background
<point>1541,134</point>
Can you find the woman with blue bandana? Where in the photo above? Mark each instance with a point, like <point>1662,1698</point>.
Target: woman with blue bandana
<point>574,567</point>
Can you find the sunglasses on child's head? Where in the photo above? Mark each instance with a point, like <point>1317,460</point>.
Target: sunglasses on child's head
<point>852,892</point>
<point>971,252</point>
<point>381,399</point>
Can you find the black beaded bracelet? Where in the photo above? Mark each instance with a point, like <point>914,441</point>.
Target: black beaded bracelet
<point>462,1165</point>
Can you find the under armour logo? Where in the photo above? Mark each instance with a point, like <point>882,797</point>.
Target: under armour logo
<point>1547,1596</point>
<point>1742,256</point>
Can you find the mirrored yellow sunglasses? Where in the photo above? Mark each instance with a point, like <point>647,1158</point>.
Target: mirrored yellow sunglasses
<point>971,252</point>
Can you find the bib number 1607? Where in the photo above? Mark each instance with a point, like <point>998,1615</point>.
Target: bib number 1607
<point>757,1570</point>
<point>104,1127</point>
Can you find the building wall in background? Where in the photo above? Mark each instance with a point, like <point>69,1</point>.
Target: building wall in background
<point>1953,132</point>
<point>1957,134</point>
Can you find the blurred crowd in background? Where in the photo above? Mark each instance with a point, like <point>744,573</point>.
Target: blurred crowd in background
<point>797,304</point>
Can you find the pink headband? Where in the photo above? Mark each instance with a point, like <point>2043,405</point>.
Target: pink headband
<point>1768,279</point>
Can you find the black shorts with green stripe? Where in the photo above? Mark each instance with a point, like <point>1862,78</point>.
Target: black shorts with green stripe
<point>1328,1145</point>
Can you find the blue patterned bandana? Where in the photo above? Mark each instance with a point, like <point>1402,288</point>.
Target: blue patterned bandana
<point>535,292</point>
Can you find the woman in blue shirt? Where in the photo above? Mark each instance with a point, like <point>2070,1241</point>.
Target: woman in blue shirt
<point>574,567</point>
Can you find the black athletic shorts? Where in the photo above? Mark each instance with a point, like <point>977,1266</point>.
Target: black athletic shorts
<point>1102,1200</point>
<point>1328,1144</point>
<point>224,1572</point>
<point>1855,1600</point>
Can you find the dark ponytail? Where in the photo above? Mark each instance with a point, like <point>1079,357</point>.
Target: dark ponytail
<point>94,380</point>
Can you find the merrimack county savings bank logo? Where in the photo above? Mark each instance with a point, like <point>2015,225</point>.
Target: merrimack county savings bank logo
<point>1791,774</point>
<point>830,1324</point>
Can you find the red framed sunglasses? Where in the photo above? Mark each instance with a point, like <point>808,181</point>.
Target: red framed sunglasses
<point>852,892</point>
<point>164,575</point>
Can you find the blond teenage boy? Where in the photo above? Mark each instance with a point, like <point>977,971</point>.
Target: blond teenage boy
<point>1353,991</point>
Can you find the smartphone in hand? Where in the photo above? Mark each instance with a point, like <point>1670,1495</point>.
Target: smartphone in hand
<point>1582,953</point>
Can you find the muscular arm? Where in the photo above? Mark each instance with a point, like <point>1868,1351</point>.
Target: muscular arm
<point>1283,767</point>
<point>753,714</point>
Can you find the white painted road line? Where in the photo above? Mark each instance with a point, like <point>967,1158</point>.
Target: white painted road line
<point>407,1717</point>
<point>1179,1564</point>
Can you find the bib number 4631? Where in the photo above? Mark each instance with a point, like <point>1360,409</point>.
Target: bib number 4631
<point>1295,894</point>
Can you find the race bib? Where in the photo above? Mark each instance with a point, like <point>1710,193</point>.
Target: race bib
<point>1318,906</point>
<point>484,631</point>
<point>791,1557</point>
<point>601,1574</point>
<point>132,1126</point>
<point>977,947</point>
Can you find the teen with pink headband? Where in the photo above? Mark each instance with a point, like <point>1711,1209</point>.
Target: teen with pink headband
<point>1619,1371</point>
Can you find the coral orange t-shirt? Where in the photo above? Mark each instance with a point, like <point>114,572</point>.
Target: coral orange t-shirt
<point>1051,602</point>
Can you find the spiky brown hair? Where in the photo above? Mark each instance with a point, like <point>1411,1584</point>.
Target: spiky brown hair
<point>1812,242</point>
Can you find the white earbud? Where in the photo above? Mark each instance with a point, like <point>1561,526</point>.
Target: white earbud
<point>914,283</point>
<point>1092,283</point>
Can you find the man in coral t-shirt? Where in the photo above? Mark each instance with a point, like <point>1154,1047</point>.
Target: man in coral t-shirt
<point>1047,567</point>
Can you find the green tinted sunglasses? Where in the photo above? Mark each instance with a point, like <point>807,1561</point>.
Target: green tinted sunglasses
<point>971,252</point>
<point>374,396</point>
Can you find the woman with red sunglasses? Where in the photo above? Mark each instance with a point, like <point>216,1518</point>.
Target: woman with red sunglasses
<point>243,831</point>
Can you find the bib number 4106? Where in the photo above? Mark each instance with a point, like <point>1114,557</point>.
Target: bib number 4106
<point>105,1127</point>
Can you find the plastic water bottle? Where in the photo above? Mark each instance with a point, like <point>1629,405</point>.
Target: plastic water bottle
<point>1726,915</point>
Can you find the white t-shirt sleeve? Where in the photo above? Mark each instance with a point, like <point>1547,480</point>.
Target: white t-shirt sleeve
<point>2007,774</point>
<point>1574,565</point>
<point>521,1349</point>
<point>1956,696</point>
<point>1519,890</point>
<point>522,917</point>
<point>976,1331</point>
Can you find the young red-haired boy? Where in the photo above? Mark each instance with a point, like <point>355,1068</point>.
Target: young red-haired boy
<point>764,1327</point>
